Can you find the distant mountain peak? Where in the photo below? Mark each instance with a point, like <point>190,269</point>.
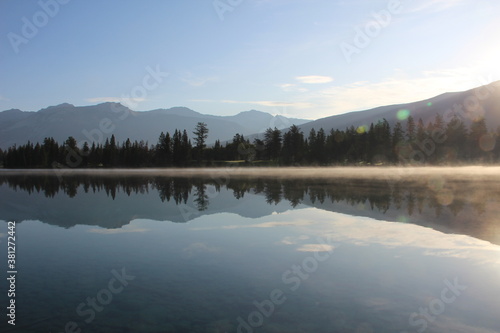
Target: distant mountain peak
<point>252,112</point>
<point>12,111</point>
<point>177,111</point>
<point>60,106</point>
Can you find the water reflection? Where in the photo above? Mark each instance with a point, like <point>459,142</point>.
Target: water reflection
<point>324,242</point>
<point>463,206</point>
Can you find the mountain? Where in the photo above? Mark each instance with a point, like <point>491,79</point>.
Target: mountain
<point>97,122</point>
<point>469,105</point>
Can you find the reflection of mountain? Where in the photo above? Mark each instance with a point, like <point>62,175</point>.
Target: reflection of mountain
<point>464,207</point>
<point>114,202</point>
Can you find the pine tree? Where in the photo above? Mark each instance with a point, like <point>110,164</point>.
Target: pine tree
<point>410,130</point>
<point>272,143</point>
<point>293,146</point>
<point>478,131</point>
<point>201,134</point>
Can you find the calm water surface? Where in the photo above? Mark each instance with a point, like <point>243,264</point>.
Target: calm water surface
<point>248,253</point>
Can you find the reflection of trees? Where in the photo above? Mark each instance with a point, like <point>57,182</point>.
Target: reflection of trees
<point>293,193</point>
<point>201,198</point>
<point>272,191</point>
<point>411,203</point>
<point>239,186</point>
<point>406,197</point>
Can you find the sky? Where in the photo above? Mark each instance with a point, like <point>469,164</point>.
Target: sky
<point>298,58</point>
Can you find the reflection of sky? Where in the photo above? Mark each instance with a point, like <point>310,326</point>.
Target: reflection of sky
<point>212,269</point>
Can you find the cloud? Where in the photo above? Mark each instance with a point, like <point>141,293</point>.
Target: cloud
<point>314,79</point>
<point>2,98</point>
<point>290,87</point>
<point>289,240</point>
<point>316,248</point>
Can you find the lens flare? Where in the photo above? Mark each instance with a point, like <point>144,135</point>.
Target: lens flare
<point>487,142</point>
<point>362,129</point>
<point>403,114</point>
<point>445,197</point>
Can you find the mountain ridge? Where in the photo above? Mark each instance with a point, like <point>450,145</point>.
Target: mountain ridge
<point>97,122</point>
<point>94,123</point>
<point>469,105</point>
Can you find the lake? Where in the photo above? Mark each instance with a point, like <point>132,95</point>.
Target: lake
<point>254,250</point>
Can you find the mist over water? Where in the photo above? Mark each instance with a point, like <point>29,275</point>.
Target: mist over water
<point>464,172</point>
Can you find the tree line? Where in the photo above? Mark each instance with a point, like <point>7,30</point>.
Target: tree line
<point>437,142</point>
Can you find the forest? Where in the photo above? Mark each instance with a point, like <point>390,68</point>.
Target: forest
<point>436,143</point>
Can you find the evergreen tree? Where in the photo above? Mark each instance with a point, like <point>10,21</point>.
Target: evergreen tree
<point>410,130</point>
<point>397,141</point>
<point>272,143</point>
<point>456,142</point>
<point>421,134</point>
<point>293,146</point>
<point>201,135</point>
<point>478,132</point>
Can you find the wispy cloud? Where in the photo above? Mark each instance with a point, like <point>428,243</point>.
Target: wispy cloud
<point>316,248</point>
<point>314,79</point>
<point>289,240</point>
<point>290,87</point>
